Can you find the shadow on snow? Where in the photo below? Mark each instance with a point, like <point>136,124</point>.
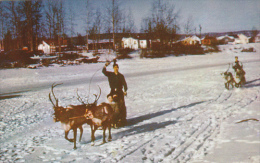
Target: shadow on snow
<point>145,127</point>
<point>251,84</point>
<point>136,120</point>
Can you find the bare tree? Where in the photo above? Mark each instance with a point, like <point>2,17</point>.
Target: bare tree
<point>188,26</point>
<point>88,19</point>
<point>164,20</point>
<point>96,27</point>
<point>162,24</point>
<point>3,18</point>
<point>55,15</point>
<point>51,11</point>
<point>71,25</point>
<point>127,22</point>
<point>71,17</point>
<point>130,22</point>
<point>200,28</point>
<point>31,17</point>
<point>15,22</point>
<point>114,17</point>
<point>123,23</point>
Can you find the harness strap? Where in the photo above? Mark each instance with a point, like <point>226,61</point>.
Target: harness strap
<point>77,117</point>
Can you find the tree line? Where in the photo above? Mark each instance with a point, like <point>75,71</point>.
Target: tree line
<point>27,23</point>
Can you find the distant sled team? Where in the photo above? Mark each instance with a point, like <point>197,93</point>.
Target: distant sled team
<point>239,79</point>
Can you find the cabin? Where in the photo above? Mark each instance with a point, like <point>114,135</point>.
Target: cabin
<point>130,43</point>
<point>194,40</point>
<point>143,44</point>
<point>241,39</point>
<point>46,48</point>
<point>100,44</point>
<point>225,39</point>
<point>208,40</point>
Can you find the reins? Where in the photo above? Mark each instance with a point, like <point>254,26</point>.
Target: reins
<point>96,72</point>
<point>78,117</point>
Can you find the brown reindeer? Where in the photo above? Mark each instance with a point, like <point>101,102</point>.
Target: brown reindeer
<point>71,117</point>
<point>229,78</point>
<point>101,116</point>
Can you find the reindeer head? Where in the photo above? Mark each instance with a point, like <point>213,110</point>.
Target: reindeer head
<point>58,110</point>
<point>60,114</point>
<point>226,73</point>
<point>89,114</point>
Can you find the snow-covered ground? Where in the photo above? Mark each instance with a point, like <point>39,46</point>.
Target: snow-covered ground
<point>178,111</point>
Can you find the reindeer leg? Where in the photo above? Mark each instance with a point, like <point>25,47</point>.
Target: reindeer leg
<point>104,133</point>
<point>93,130</point>
<point>109,130</point>
<point>75,137</point>
<point>226,86</point>
<point>81,132</point>
<point>66,136</point>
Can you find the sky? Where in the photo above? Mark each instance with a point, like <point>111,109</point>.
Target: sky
<point>212,15</point>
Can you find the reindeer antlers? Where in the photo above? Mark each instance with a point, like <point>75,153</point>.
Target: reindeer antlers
<point>56,100</point>
<point>96,97</point>
<point>79,98</point>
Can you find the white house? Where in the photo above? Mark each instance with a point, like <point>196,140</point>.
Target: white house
<point>130,43</point>
<point>194,40</point>
<point>241,39</point>
<point>46,48</point>
<point>143,44</point>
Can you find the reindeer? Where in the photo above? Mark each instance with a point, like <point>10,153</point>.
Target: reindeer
<point>229,79</point>
<point>100,116</point>
<point>71,117</point>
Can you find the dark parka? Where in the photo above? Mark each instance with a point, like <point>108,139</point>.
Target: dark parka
<point>116,82</point>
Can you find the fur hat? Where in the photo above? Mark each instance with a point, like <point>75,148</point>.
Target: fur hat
<point>115,64</point>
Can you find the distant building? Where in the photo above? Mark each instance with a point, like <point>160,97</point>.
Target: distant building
<point>130,43</point>
<point>100,44</point>
<point>207,40</point>
<point>46,48</point>
<point>225,39</point>
<point>194,40</point>
<point>241,39</point>
<point>143,44</point>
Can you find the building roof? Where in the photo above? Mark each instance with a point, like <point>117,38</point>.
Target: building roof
<point>100,41</point>
<point>124,38</point>
<point>222,37</point>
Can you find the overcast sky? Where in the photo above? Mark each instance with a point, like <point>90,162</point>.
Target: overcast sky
<point>213,15</point>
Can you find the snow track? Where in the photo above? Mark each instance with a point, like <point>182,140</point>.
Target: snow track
<point>173,116</point>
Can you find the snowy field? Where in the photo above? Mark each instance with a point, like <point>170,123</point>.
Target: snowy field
<point>178,111</point>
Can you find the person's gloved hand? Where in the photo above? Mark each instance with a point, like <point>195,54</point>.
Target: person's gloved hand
<point>107,63</point>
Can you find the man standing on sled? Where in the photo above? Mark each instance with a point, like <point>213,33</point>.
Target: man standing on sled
<point>117,82</point>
